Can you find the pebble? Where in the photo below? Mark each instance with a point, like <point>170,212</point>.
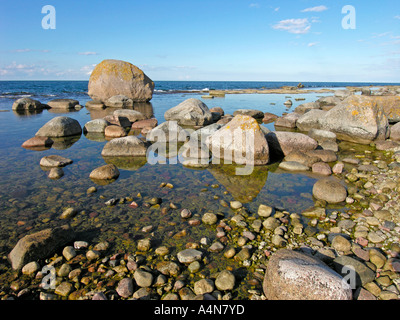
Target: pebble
<point>125,287</point>
<point>69,253</point>
<point>203,286</point>
<point>189,255</point>
<point>235,205</point>
<point>209,218</point>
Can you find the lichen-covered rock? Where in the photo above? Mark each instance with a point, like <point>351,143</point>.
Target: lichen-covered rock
<point>241,141</point>
<point>115,77</point>
<point>292,275</point>
<point>358,119</point>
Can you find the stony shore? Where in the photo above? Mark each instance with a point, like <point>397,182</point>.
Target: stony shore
<point>365,231</point>
<point>353,226</point>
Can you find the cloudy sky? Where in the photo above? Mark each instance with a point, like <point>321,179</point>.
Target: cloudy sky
<point>269,40</point>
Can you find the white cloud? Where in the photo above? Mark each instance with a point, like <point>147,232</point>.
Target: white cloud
<point>88,69</point>
<point>296,26</point>
<point>87,53</point>
<point>254,5</point>
<point>397,17</point>
<point>277,9</point>
<point>312,44</point>
<point>315,9</point>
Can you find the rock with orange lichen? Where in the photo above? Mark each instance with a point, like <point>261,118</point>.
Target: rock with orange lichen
<point>115,77</point>
<point>359,119</point>
<point>241,141</point>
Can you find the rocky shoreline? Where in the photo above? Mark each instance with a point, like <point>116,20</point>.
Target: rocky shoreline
<point>365,234</point>
<point>347,142</point>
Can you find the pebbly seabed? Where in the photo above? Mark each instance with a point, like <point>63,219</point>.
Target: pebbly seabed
<point>169,232</point>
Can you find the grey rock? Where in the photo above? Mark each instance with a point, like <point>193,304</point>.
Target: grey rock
<point>60,127</point>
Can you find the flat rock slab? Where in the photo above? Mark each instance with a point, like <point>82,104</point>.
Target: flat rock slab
<point>63,103</point>
<point>54,161</point>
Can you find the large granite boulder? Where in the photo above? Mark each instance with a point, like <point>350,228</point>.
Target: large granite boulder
<point>60,127</point>
<point>241,141</point>
<point>310,120</point>
<point>39,245</point>
<point>292,275</point>
<point>191,112</point>
<point>115,77</point>
<point>358,119</point>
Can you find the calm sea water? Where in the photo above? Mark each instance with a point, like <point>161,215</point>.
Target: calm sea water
<point>30,201</point>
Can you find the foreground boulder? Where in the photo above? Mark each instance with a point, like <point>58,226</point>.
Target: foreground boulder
<point>358,119</point>
<point>115,77</point>
<point>292,275</point>
<point>60,127</point>
<point>40,245</point>
<point>26,104</point>
<point>232,142</point>
<point>125,146</point>
<point>191,112</point>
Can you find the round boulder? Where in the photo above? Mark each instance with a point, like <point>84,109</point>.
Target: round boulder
<point>330,190</point>
<point>115,77</point>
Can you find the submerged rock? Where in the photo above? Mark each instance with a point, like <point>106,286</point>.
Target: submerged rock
<point>293,275</point>
<point>54,161</point>
<point>38,143</point>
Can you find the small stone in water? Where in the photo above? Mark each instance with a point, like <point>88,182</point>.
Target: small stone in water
<point>185,213</point>
<point>68,213</point>
<point>91,190</point>
<point>80,245</point>
<point>111,202</point>
<point>133,204</point>
<point>236,205</point>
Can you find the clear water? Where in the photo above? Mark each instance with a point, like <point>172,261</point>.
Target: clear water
<point>30,201</point>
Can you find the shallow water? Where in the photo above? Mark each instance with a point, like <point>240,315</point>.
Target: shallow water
<point>30,201</point>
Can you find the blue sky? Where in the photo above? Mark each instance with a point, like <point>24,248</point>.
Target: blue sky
<point>269,40</point>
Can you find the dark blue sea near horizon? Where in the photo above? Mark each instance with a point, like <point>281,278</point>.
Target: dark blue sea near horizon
<point>30,201</point>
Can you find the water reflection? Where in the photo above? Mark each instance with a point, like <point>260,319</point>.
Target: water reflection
<point>27,113</point>
<point>126,163</point>
<point>146,108</point>
<point>65,142</point>
<point>243,188</point>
